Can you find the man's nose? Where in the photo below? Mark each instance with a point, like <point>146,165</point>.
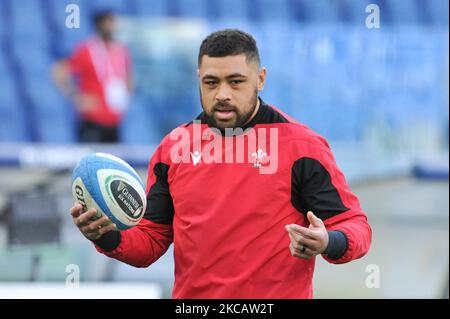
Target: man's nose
<point>223,93</point>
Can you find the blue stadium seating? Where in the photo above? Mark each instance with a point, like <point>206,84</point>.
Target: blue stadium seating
<point>140,125</point>
<point>439,12</point>
<point>155,8</point>
<point>4,68</point>
<point>232,9</point>
<point>13,128</point>
<point>3,27</point>
<point>323,10</point>
<point>273,10</point>
<point>244,25</point>
<point>405,11</point>
<point>118,6</point>
<point>27,22</point>
<point>54,120</point>
<point>14,125</point>
<point>336,67</point>
<point>190,8</point>
<point>35,66</point>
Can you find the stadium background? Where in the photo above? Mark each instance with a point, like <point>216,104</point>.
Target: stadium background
<point>380,97</point>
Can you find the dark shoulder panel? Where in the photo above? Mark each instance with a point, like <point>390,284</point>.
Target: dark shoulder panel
<point>312,189</point>
<point>159,201</point>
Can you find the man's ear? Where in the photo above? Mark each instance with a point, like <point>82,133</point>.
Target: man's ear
<point>198,73</point>
<point>261,78</point>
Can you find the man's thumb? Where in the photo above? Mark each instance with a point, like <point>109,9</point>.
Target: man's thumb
<point>313,220</point>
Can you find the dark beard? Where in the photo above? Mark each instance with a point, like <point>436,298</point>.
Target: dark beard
<point>241,119</point>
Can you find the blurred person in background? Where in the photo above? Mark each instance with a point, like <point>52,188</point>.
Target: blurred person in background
<point>101,69</point>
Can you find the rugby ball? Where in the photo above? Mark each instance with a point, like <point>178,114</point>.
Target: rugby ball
<point>109,184</point>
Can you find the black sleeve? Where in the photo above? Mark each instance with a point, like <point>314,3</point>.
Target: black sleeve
<point>109,241</point>
<point>159,201</point>
<point>312,189</point>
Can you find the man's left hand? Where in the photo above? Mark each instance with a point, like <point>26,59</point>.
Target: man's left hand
<point>308,242</point>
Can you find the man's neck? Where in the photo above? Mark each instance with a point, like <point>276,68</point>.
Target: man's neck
<point>254,112</point>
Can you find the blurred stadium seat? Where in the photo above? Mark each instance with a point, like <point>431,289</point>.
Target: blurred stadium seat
<point>406,11</point>
<point>118,6</point>
<point>232,9</point>
<point>157,8</point>
<point>327,54</point>
<point>323,10</point>
<point>28,15</point>
<point>190,8</point>
<point>54,119</point>
<point>13,128</point>
<point>439,11</point>
<point>139,126</point>
<point>274,10</point>
<point>3,27</point>
<point>34,68</point>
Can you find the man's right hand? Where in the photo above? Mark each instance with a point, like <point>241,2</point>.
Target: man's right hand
<point>92,230</point>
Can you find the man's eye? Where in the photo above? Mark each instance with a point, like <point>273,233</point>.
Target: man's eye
<point>210,83</point>
<point>235,82</point>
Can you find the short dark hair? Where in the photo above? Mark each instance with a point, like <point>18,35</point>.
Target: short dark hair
<point>229,42</point>
<point>99,16</point>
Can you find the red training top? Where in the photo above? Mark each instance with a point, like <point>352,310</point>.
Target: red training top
<point>227,220</point>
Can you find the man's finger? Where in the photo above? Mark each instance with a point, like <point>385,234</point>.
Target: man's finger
<point>98,223</point>
<point>306,232</point>
<point>295,241</point>
<point>310,243</point>
<point>97,233</point>
<point>314,220</point>
<point>76,210</point>
<point>294,236</point>
<point>106,229</point>
<point>304,254</point>
<point>298,243</point>
<point>85,217</point>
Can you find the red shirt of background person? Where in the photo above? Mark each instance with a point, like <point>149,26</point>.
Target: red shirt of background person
<point>101,67</point>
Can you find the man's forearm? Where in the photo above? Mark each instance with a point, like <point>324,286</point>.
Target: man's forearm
<point>139,246</point>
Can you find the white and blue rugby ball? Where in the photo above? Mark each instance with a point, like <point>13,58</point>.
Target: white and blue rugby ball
<point>109,184</point>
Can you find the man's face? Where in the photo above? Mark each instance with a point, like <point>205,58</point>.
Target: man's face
<point>229,89</point>
<point>107,27</point>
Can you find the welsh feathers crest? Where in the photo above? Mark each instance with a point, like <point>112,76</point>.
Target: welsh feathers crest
<point>258,156</point>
